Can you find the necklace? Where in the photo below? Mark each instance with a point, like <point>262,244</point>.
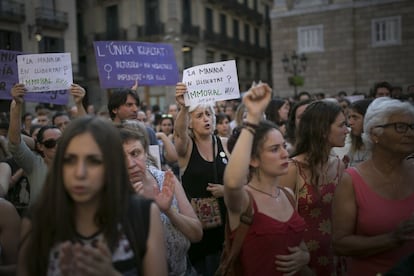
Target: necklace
<point>266,193</point>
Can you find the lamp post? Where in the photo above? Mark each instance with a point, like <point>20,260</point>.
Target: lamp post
<point>295,64</point>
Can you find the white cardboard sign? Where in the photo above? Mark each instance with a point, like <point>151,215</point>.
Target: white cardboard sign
<point>45,72</point>
<point>211,82</point>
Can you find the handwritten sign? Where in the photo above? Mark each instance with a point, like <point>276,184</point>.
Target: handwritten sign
<point>121,63</point>
<point>9,76</point>
<point>45,72</point>
<point>211,82</point>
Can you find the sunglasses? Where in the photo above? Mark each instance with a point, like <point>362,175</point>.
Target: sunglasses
<point>50,143</point>
<point>166,116</point>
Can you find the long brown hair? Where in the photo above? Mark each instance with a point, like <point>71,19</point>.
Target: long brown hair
<point>53,215</point>
<point>312,135</point>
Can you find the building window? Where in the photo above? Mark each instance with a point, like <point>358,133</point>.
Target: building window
<point>112,22</point>
<point>187,56</point>
<point>187,12</point>
<point>310,39</point>
<point>223,24</point>
<point>236,33</point>
<point>247,33</point>
<point>386,31</point>
<point>256,37</point>
<point>209,20</point>
<point>224,57</point>
<point>51,45</point>
<point>248,68</point>
<point>10,40</point>
<point>209,56</point>
<point>257,71</point>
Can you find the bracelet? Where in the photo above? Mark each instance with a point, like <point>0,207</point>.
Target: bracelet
<point>250,129</point>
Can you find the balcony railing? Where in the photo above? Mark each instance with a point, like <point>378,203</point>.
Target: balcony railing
<point>190,32</point>
<point>120,34</point>
<point>51,18</point>
<point>12,11</point>
<point>151,32</point>
<point>239,9</point>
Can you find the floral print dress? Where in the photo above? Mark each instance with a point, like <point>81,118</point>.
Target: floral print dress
<point>315,206</point>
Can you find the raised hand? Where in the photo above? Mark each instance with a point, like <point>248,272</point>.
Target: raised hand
<point>257,98</point>
<point>18,91</point>
<point>135,86</point>
<point>180,90</point>
<point>164,197</point>
<point>77,92</point>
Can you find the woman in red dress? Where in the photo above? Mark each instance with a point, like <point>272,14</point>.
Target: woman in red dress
<point>274,242</point>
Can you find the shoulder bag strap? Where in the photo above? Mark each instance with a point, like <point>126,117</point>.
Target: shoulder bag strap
<point>246,219</point>
<point>213,138</point>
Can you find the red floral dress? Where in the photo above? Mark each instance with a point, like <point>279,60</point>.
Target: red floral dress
<point>316,209</point>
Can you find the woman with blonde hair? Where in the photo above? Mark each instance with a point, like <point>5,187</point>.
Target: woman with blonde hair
<point>202,157</point>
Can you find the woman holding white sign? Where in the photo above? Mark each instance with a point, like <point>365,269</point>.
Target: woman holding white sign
<point>202,158</point>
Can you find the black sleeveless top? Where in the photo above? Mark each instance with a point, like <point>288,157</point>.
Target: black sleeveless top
<point>195,179</point>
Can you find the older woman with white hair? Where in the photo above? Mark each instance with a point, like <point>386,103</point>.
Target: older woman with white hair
<point>373,207</point>
<point>202,158</point>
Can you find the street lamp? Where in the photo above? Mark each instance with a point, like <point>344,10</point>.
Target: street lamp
<point>295,65</point>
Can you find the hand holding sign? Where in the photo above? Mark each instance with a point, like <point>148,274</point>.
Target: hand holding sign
<point>18,91</point>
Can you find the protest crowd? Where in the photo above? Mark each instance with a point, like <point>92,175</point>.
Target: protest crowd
<point>254,185</point>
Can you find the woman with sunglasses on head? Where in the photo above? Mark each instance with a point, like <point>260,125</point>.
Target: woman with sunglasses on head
<point>35,166</point>
<point>87,221</point>
<point>373,207</point>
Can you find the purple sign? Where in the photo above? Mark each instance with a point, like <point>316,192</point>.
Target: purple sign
<point>9,76</point>
<point>121,63</point>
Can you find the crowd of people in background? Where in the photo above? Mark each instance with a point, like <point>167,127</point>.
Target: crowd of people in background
<point>141,190</point>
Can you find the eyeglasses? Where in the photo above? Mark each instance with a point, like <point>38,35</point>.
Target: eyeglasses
<point>166,116</point>
<point>50,143</point>
<point>399,126</point>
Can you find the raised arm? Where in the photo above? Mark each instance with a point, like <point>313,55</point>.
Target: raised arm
<point>185,219</point>
<point>344,217</point>
<point>18,91</point>
<point>181,137</point>
<point>170,153</point>
<point>78,93</point>
<point>237,169</point>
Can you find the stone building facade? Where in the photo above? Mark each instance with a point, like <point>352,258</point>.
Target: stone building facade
<point>349,44</point>
<point>201,31</point>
